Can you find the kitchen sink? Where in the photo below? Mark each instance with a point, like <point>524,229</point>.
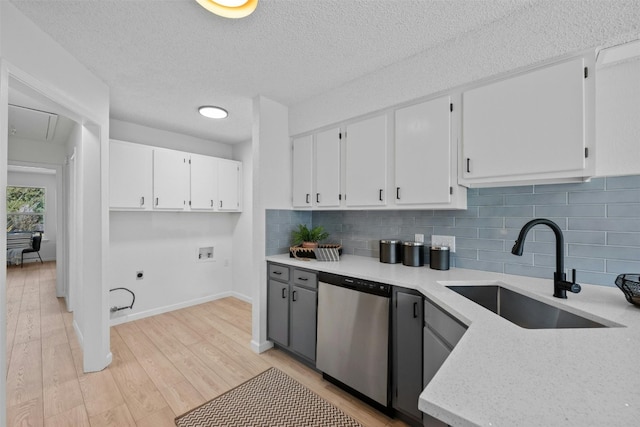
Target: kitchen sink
<point>522,310</point>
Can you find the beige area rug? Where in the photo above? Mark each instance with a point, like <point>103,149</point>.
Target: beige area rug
<point>270,399</point>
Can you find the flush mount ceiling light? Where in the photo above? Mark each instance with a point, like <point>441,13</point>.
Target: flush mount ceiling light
<point>213,112</point>
<point>230,8</point>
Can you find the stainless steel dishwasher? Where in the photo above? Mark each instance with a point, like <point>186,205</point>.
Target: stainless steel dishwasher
<point>353,335</point>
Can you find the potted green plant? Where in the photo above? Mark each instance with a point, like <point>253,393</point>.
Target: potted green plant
<point>308,238</point>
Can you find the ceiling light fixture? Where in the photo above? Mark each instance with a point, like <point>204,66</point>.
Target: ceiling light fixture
<point>230,8</point>
<point>213,112</point>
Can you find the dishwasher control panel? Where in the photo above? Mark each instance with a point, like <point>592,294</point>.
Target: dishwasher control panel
<point>360,285</point>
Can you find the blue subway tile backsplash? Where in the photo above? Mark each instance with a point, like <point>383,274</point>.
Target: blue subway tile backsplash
<point>600,220</point>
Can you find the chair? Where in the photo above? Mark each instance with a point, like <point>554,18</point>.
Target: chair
<point>36,240</point>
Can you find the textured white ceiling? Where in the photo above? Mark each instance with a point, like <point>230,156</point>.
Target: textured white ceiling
<point>162,59</point>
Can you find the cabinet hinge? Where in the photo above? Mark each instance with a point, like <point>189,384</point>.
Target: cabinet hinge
<point>586,152</point>
<point>189,161</point>
<point>586,72</point>
<point>451,107</point>
<point>450,190</point>
<point>339,196</point>
<point>189,202</point>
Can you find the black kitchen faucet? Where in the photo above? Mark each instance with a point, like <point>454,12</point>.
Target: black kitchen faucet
<point>560,284</point>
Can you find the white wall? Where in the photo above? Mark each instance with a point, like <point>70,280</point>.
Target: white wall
<point>164,244</point>
<point>131,132</point>
<point>271,154</point>
<point>33,57</point>
<point>243,238</point>
<point>49,182</point>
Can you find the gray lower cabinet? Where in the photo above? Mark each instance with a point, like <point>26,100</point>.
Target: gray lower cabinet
<point>303,321</point>
<point>407,383</point>
<point>278,312</point>
<point>441,333</point>
<point>292,309</point>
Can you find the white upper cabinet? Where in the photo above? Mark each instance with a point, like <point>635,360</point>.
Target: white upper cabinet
<point>303,172</point>
<point>533,127</point>
<point>204,182</point>
<point>366,162</point>
<point>229,185</point>
<point>130,185</point>
<point>425,161</point>
<point>170,179</point>
<point>327,168</point>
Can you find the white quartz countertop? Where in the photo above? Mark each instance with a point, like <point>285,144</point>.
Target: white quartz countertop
<point>500,374</point>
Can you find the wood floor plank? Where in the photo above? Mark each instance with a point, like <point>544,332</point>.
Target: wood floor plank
<point>57,365</point>
<point>230,370</point>
<point>180,331</point>
<point>61,397</point>
<point>100,392</point>
<point>27,413</point>
<point>115,417</point>
<point>28,326</point>
<point>24,379</point>
<point>74,417</point>
<point>162,418</point>
<point>182,397</point>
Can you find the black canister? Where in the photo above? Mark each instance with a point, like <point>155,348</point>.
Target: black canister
<point>390,251</point>
<point>439,257</point>
<point>413,254</point>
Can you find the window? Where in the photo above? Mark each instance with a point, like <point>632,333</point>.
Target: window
<point>25,209</point>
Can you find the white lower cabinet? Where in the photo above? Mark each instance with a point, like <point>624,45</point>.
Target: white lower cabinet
<point>130,176</point>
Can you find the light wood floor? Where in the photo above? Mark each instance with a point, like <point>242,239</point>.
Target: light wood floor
<point>162,365</point>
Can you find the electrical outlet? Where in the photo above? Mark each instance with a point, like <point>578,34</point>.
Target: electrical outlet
<point>419,238</point>
<point>449,241</point>
<point>205,254</point>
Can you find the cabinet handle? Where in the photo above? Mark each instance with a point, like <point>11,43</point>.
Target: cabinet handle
<point>157,200</point>
<point>307,198</point>
<point>380,194</point>
<point>468,165</point>
<point>398,193</point>
<point>293,296</point>
<point>284,292</point>
<point>277,272</point>
<point>211,203</point>
<point>415,310</point>
<point>220,204</point>
<point>317,197</point>
<point>304,279</point>
<point>142,201</point>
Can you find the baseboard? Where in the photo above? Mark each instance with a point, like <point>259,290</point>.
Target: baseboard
<point>119,319</point>
<point>76,328</point>
<point>241,297</point>
<point>261,347</point>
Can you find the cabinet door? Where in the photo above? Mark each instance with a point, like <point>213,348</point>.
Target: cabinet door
<point>529,125</point>
<point>204,182</point>
<point>170,179</point>
<point>423,153</point>
<point>302,172</point>
<point>303,321</point>
<point>408,353</point>
<point>278,312</point>
<point>328,168</point>
<point>130,175</point>
<point>366,170</point>
<point>228,185</point>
